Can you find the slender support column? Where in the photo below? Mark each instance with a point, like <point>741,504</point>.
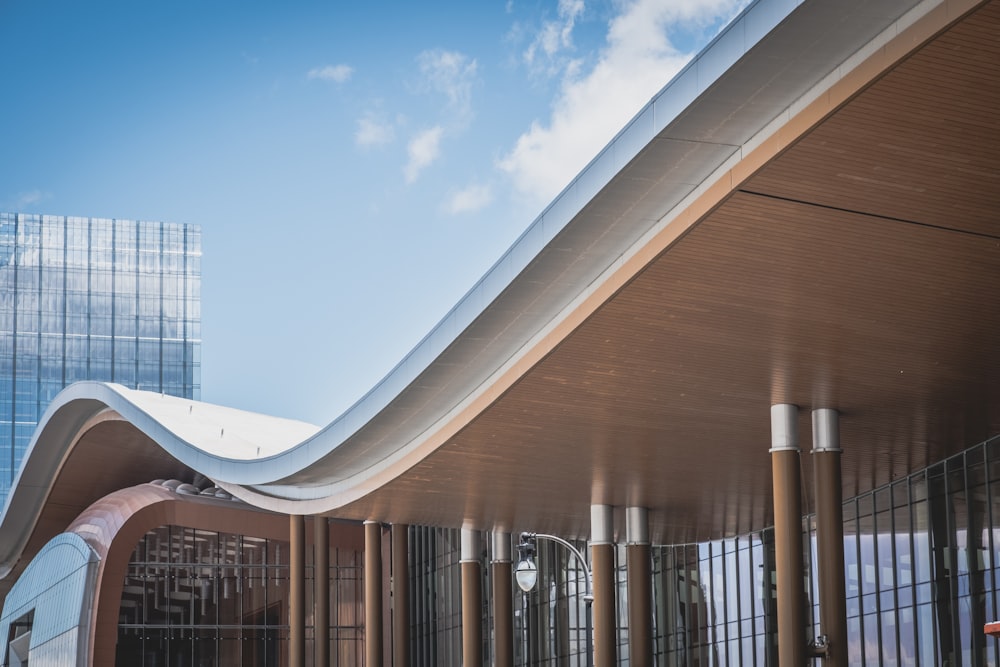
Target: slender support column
<point>400,595</point>
<point>830,535</point>
<point>503,602</point>
<point>373,594</point>
<point>602,555</point>
<point>640,587</point>
<point>788,535</point>
<point>296,591</point>
<point>321,591</point>
<point>472,599</point>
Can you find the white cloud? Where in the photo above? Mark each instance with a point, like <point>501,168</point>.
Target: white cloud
<point>471,198</point>
<point>336,73</point>
<point>29,198</point>
<point>24,200</point>
<point>423,150</point>
<point>372,132</point>
<point>452,74</point>
<point>557,35</point>
<point>636,62</point>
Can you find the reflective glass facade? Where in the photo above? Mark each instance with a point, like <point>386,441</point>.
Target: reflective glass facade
<point>922,562</point>
<point>196,597</point>
<point>552,622</point>
<point>92,299</point>
<point>714,603</point>
<point>435,576</point>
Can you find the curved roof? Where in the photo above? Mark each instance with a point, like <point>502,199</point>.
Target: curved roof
<point>805,214</point>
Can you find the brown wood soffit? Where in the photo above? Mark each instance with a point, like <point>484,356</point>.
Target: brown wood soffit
<point>854,269</point>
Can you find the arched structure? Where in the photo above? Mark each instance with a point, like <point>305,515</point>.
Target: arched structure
<point>805,216</point>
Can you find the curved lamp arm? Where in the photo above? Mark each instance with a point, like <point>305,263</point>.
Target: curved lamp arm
<point>589,595</point>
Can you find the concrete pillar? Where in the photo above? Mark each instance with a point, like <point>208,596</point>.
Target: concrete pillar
<point>788,535</point>
<point>296,591</point>
<point>602,555</point>
<point>640,587</point>
<point>321,591</point>
<point>472,599</point>
<point>373,594</point>
<point>400,595</point>
<point>830,534</point>
<point>503,602</point>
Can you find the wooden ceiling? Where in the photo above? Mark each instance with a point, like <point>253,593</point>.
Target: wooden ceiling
<point>857,270</point>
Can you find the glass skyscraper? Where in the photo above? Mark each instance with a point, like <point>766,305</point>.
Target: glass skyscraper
<point>92,299</point>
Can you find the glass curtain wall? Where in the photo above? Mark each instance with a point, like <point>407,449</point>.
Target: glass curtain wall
<point>552,622</point>
<point>435,596</point>
<point>202,598</point>
<point>922,564</point>
<point>922,560</point>
<point>714,603</point>
<point>92,299</point>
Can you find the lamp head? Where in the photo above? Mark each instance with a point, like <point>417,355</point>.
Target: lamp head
<point>526,572</point>
<point>526,575</point>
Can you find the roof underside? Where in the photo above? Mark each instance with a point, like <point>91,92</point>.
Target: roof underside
<point>855,271</point>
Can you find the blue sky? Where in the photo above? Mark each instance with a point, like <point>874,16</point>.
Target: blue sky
<point>354,167</point>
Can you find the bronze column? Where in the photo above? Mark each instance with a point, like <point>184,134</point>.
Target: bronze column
<point>472,599</point>
<point>297,590</point>
<point>373,594</point>
<point>503,602</point>
<point>602,555</point>
<point>400,595</point>
<point>321,591</point>
<point>640,587</point>
<point>788,535</point>
<point>830,535</point>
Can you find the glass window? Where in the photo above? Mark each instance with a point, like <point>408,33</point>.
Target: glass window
<point>193,595</point>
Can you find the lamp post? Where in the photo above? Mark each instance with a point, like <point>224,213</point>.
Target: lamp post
<point>526,574</point>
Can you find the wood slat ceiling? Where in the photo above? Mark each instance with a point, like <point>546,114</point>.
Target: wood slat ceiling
<point>857,271</point>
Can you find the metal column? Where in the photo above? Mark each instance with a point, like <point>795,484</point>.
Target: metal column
<point>373,594</point>
<point>503,602</point>
<point>602,554</point>
<point>400,595</point>
<point>472,599</point>
<point>788,535</point>
<point>297,590</point>
<point>640,587</point>
<point>321,591</point>
<point>830,534</point>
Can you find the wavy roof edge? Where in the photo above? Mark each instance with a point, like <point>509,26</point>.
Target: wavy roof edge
<point>775,57</point>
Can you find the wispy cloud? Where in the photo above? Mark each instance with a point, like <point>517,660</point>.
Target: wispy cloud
<point>554,36</point>
<point>423,150</point>
<point>372,132</point>
<point>23,200</point>
<point>337,73</point>
<point>453,75</point>
<point>636,61</point>
<point>469,199</point>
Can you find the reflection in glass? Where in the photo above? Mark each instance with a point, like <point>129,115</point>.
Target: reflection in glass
<point>92,299</point>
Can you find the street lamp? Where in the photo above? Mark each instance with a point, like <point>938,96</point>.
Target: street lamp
<point>526,574</point>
